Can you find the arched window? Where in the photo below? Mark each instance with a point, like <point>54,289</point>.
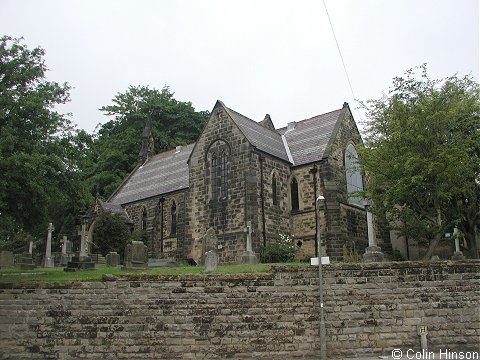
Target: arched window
<point>223,175</point>
<point>274,190</point>
<point>143,223</point>
<point>214,176</point>
<point>294,194</point>
<point>353,176</point>
<point>219,175</point>
<point>173,213</point>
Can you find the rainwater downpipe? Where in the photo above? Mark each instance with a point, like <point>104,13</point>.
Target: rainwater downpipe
<point>162,200</point>
<point>320,202</point>
<point>263,199</point>
<point>314,171</point>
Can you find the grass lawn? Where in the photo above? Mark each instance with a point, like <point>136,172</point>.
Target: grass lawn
<point>57,274</point>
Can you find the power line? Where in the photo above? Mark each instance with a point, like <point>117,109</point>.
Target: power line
<point>341,57</point>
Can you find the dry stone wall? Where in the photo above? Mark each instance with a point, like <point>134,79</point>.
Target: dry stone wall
<point>369,309</point>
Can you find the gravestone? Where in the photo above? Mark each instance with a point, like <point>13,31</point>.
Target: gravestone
<point>64,258</point>
<point>80,261</point>
<point>211,260</point>
<point>112,259</point>
<point>6,259</point>
<point>25,262</point>
<point>162,262</point>
<point>211,246</point>
<point>373,253</point>
<point>458,254</point>
<point>248,256</point>
<point>48,260</point>
<point>136,255</point>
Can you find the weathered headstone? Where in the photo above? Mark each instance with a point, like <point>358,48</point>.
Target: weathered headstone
<point>373,253</point>
<point>211,260</point>
<point>112,259</point>
<point>162,262</point>
<point>26,262</point>
<point>30,247</point>
<point>210,240</point>
<point>248,256</point>
<point>64,257</point>
<point>6,259</point>
<point>48,260</point>
<point>211,247</point>
<point>136,255</point>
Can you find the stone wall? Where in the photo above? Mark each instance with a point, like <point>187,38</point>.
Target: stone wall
<point>369,309</point>
<point>227,216</point>
<point>161,242</point>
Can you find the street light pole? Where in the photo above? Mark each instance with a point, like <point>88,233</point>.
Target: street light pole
<point>320,202</point>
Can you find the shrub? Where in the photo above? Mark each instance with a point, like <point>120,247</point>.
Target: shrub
<point>110,233</point>
<point>282,250</point>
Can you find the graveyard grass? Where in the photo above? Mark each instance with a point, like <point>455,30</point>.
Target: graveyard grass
<point>57,273</point>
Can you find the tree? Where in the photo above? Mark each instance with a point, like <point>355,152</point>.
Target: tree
<point>39,158</point>
<point>117,143</point>
<point>110,233</point>
<point>422,157</point>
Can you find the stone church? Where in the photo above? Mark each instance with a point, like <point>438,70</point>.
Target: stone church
<point>243,172</point>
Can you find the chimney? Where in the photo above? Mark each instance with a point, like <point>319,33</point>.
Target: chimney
<point>291,125</point>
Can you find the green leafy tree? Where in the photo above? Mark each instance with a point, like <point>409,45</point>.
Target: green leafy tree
<point>39,157</point>
<point>118,142</point>
<point>110,233</point>
<point>422,157</point>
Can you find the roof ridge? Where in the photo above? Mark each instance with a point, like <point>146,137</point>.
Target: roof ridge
<point>312,118</point>
<point>253,121</point>
<point>170,150</point>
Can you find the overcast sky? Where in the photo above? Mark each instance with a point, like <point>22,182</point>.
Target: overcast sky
<point>258,57</point>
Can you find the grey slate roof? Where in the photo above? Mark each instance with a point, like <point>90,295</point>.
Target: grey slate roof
<point>116,209</point>
<point>310,138</point>
<point>259,136</point>
<point>168,171</point>
<point>161,174</point>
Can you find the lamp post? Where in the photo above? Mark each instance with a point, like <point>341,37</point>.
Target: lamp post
<point>320,202</point>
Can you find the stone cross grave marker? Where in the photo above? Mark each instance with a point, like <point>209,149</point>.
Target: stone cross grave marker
<point>373,253</point>
<point>211,246</point>
<point>48,260</point>
<point>248,256</point>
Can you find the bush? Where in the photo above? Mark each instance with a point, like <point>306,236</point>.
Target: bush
<point>282,250</point>
<point>110,233</point>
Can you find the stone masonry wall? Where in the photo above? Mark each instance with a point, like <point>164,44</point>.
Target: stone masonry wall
<point>369,309</point>
<point>161,242</point>
<point>226,216</point>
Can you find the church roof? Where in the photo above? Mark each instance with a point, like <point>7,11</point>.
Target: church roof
<point>300,143</point>
<point>115,209</point>
<point>259,136</point>
<point>308,140</point>
<point>162,173</point>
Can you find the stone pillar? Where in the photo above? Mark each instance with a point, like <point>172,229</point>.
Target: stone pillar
<point>47,260</point>
<point>248,256</point>
<point>373,253</point>
<point>457,255</point>
<point>83,242</point>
